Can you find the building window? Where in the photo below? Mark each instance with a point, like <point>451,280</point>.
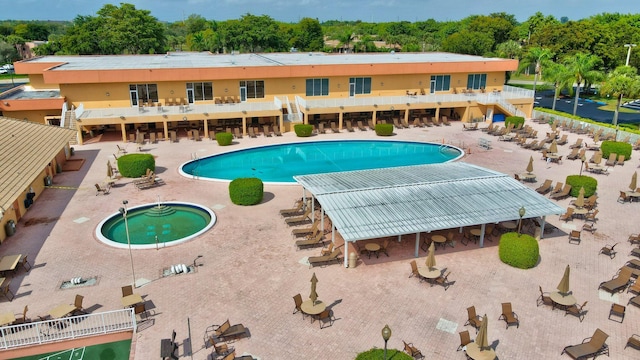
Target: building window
<point>201,90</point>
<point>317,87</point>
<point>476,81</point>
<point>254,88</point>
<point>360,85</point>
<point>441,82</point>
<point>143,93</point>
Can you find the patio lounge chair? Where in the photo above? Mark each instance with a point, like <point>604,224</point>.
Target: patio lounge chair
<point>577,144</point>
<point>232,356</point>
<point>372,124</point>
<point>592,216</point>
<point>620,160</point>
<point>276,130</point>
<point>574,236</point>
<point>576,310</point>
<point>299,219</point>
<point>265,131</point>
<point>568,215</point>
<point>635,287</point>
<point>563,140</point>
<point>609,250</point>
<point>574,154</point>
<point>320,129</point>
<point>590,347</point>
<point>227,331</point>
<point>101,190</point>
<point>544,299</point>
<point>510,317</point>
<point>443,280</point>
<point>545,187</point>
<point>412,350</point>
<point>334,128</point>
<point>309,231</point>
<point>634,239</point>
<point>445,120</point>
<point>121,150</point>
<point>634,340</point>
<point>236,133</point>
<point>465,339</point>
<point>473,319</point>
<point>311,241</point>
<point>612,159</point>
<point>563,194</point>
<point>296,210</point>
<point>361,126</point>
<point>318,260</point>
<point>635,300</point>
<point>557,188</point>
<point>618,283</point>
<point>252,133</point>
<point>328,250</point>
<point>173,136</point>
<point>348,125</point>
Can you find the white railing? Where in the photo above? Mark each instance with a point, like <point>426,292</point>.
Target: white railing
<point>62,116</point>
<point>74,327</point>
<point>516,92</point>
<point>591,125</point>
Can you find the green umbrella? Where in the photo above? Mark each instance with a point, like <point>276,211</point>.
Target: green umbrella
<point>563,286</point>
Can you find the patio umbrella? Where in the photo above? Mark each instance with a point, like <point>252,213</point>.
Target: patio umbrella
<point>109,170</point>
<point>554,127</point>
<point>481,339</point>
<point>597,157</point>
<point>314,295</point>
<point>431,256</point>
<point>563,286</point>
<point>634,181</point>
<point>596,138</point>
<point>530,166</point>
<point>580,200</point>
<point>553,148</point>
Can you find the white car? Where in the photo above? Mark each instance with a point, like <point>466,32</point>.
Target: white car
<point>3,71</point>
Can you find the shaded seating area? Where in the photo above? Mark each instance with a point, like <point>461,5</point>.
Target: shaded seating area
<point>590,347</point>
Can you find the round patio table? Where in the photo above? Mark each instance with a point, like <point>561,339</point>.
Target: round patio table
<point>432,273</point>
<point>439,240</point>
<point>563,300</point>
<point>310,307</point>
<point>372,248</point>
<point>474,352</point>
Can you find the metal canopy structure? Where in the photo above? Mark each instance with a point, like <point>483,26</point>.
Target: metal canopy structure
<point>397,201</point>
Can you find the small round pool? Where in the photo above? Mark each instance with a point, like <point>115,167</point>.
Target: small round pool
<point>156,225</point>
<point>280,163</point>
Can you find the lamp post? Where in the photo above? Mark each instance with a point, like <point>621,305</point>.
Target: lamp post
<point>583,159</point>
<point>628,52</point>
<point>123,211</point>
<point>386,335</point>
<point>521,212</point>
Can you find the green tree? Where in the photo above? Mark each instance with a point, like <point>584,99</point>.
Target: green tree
<point>538,57</point>
<point>559,75</point>
<point>308,35</point>
<point>583,70</point>
<point>8,53</point>
<point>467,42</point>
<point>623,81</point>
<point>509,49</point>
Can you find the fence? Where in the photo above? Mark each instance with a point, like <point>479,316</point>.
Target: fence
<point>42,332</point>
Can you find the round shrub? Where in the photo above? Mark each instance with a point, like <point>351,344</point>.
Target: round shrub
<point>384,129</point>
<point>576,181</point>
<point>521,251</point>
<point>246,191</point>
<point>377,354</point>
<point>303,130</point>
<point>515,120</point>
<point>224,138</point>
<point>136,165</point>
<point>615,147</point>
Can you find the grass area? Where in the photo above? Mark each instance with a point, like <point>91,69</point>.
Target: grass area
<point>521,77</point>
<point>118,350</point>
<point>15,76</point>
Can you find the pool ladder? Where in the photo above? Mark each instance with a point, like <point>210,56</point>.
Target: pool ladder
<point>194,157</point>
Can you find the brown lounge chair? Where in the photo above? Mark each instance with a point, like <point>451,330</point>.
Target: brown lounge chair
<point>634,340</point>
<point>101,190</point>
<point>612,159</point>
<point>473,319</point>
<point>296,210</point>
<point>361,126</point>
<point>557,188</point>
<point>334,128</point>
<point>299,219</point>
<point>348,125</point>
<point>412,350</point>
<point>311,241</point>
<point>568,215</point>
<point>276,130</point>
<point>510,317</point>
<point>310,231</point>
<point>232,356</point>
<point>265,131</point>
<point>609,250</point>
<point>545,187</point>
<point>563,194</point>
<point>227,331</point>
<point>318,260</point>
<point>618,283</point>
<point>590,347</point>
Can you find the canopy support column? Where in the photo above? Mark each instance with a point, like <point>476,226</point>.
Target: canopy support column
<point>346,254</point>
<point>313,210</point>
<point>415,253</point>
<point>322,222</point>
<point>482,235</point>
<point>544,218</point>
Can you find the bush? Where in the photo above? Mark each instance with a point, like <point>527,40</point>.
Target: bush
<point>576,181</point>
<point>515,120</point>
<point>136,165</point>
<point>384,129</point>
<point>303,130</point>
<point>246,191</point>
<point>627,127</point>
<point>377,354</point>
<point>521,251</point>
<point>615,147</point>
<point>224,138</point>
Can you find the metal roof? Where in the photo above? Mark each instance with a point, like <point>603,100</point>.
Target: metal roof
<point>406,200</point>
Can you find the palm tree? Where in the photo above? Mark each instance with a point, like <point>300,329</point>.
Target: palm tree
<point>345,38</point>
<point>582,68</point>
<point>623,80</point>
<point>535,56</point>
<point>559,76</point>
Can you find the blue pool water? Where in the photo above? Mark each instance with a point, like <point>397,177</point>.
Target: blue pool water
<point>279,163</point>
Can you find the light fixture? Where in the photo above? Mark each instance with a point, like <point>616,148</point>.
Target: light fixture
<point>521,212</point>
<point>392,108</point>
<point>244,111</point>
<point>293,87</point>
<point>122,117</point>
<point>375,105</point>
<point>408,104</point>
<point>124,212</point>
<point>107,93</point>
<point>206,114</point>
<point>171,92</point>
<point>342,107</point>
<point>184,118</point>
<point>386,335</point>
<point>381,83</point>
<point>226,90</point>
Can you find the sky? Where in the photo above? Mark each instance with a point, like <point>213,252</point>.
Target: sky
<point>323,10</point>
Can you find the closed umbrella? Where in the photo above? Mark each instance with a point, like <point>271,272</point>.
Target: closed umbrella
<point>553,148</point>
<point>563,286</point>
<point>580,200</point>
<point>530,166</point>
<point>431,256</point>
<point>482,340</point>
<point>597,157</point>
<point>634,181</point>
<point>596,138</point>
<point>109,170</point>
<point>314,295</point>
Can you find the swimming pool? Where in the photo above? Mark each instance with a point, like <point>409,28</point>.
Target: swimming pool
<point>280,163</point>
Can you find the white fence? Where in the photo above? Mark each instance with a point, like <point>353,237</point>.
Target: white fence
<point>74,327</point>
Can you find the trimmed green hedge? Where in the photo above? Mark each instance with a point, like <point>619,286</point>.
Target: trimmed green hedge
<point>521,251</point>
<point>303,130</point>
<point>384,129</point>
<point>136,165</point>
<point>224,138</point>
<point>576,181</point>
<point>616,147</point>
<point>246,191</point>
<point>377,354</point>
<point>515,120</point>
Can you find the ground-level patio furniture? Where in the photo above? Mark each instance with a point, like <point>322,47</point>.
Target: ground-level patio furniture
<point>609,250</point>
<point>465,339</point>
<point>318,260</point>
<point>590,347</point>
<point>473,319</point>
<point>618,283</point>
<point>544,299</point>
<point>574,236</point>
<point>169,347</point>
<point>228,331</point>
<point>634,340</point>
<point>510,317</point>
<point>412,350</point>
<point>576,310</point>
<point>617,310</point>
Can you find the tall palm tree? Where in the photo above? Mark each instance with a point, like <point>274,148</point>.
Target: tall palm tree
<point>559,76</point>
<point>583,70</point>
<point>535,56</point>
<point>623,80</point>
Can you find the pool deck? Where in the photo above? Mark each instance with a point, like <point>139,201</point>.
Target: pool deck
<point>250,269</point>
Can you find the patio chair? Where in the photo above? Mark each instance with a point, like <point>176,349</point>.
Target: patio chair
<point>326,317</point>
<point>404,123</point>
<point>576,310</point>
<point>22,318</point>
<point>635,300</point>
<point>557,188</point>
<point>232,356</point>
<point>544,299</point>
<point>311,241</point>
<point>635,252</point>
<point>634,340</point>
<point>173,136</point>
<point>590,347</point>
<point>473,319</point>
<point>220,349</point>
<point>568,215</point>
<point>24,262</point>
<point>361,126</point>
<point>414,270</point>
<point>227,331</point>
<point>348,125</point>
<point>617,310</point>
<point>384,247</point>
<point>443,280</point>
<point>328,250</point>
<point>574,236</point>
<point>634,239</point>
<point>623,198</point>
<point>318,260</point>
<point>563,194</point>
<point>545,187</point>
<point>612,159</point>
<point>101,190</point>
<point>465,339</point>
<point>6,290</point>
<point>396,123</point>
<point>510,317</point>
<point>577,144</point>
<point>372,124</point>
<point>127,290</point>
<point>635,287</point>
<point>417,123</point>
<point>618,283</point>
<point>121,150</point>
<point>308,231</point>
<point>236,133</point>
<point>169,347</point>
<point>252,133</point>
<point>609,250</point>
<point>445,120</point>
<point>334,128</point>
<point>412,350</point>
<point>296,210</point>
<point>265,131</point>
<point>299,219</point>
<point>573,155</point>
<point>78,306</point>
<point>620,160</point>
<point>276,130</point>
<point>297,299</point>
